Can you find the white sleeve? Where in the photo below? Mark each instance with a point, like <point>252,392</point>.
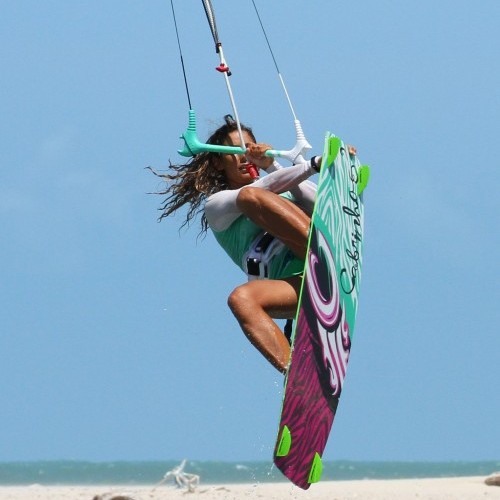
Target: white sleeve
<point>285,179</point>
<point>221,209</point>
<point>304,194</point>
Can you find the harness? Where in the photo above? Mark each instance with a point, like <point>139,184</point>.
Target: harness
<point>257,259</point>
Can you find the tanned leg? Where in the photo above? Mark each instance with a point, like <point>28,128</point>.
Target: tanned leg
<point>255,303</point>
<point>277,216</point>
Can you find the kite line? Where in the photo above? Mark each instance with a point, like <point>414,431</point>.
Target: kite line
<point>192,145</point>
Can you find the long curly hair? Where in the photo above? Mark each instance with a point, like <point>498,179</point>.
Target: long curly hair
<point>193,182</point>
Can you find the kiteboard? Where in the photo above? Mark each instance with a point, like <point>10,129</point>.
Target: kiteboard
<point>324,324</point>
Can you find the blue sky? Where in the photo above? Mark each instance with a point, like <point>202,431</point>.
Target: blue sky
<point>115,338</point>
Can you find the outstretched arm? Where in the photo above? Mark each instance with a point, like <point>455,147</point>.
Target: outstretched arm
<point>304,193</point>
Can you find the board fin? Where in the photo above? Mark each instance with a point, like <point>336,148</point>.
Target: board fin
<point>363,178</point>
<point>334,144</point>
<point>316,469</point>
<point>285,442</point>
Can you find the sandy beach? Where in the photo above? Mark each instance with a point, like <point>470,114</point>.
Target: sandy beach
<point>462,488</point>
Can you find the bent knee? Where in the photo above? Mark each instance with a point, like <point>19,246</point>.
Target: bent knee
<point>249,197</point>
<point>240,300</point>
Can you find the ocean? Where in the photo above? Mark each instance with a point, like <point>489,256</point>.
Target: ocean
<point>68,472</point>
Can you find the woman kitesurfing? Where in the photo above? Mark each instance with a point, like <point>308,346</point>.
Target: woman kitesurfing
<point>263,225</point>
<point>261,222</point>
